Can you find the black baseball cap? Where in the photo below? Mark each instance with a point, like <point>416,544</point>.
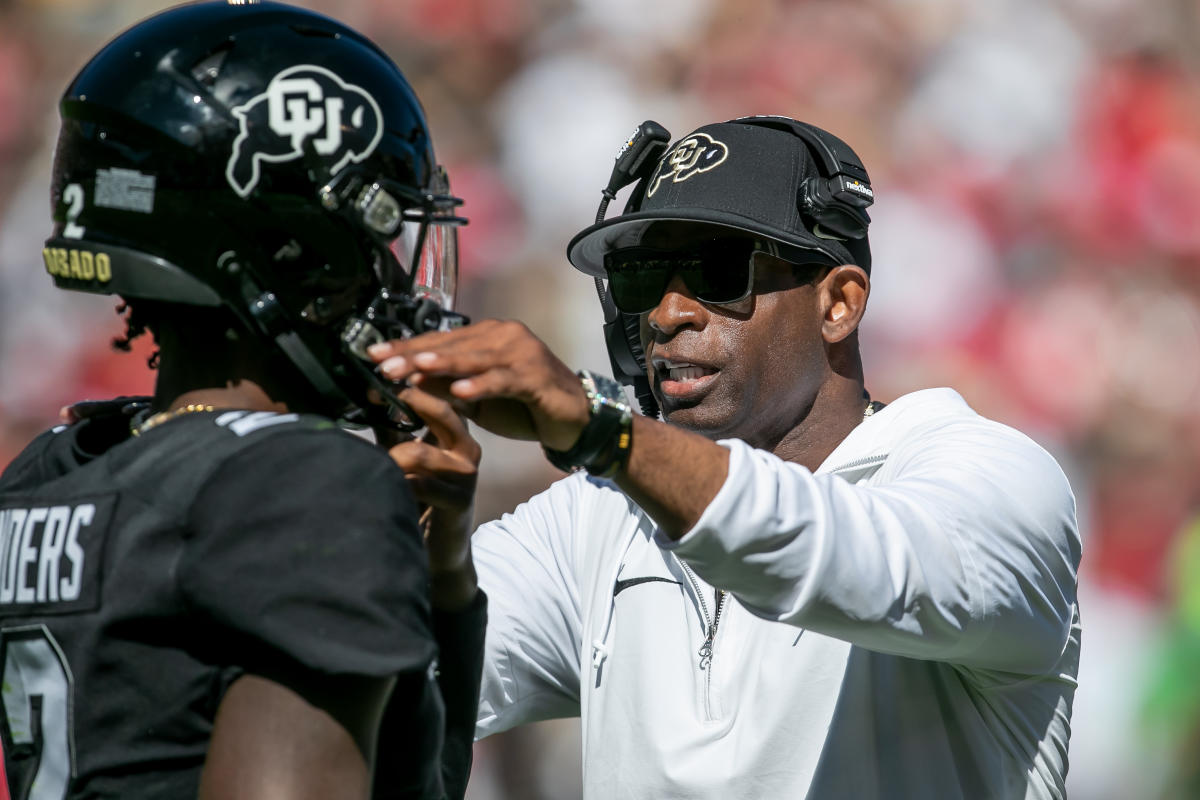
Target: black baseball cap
<point>747,175</point>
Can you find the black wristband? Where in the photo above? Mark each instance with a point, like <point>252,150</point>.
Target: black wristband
<point>603,444</point>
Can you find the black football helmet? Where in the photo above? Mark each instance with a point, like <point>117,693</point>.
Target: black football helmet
<point>269,160</point>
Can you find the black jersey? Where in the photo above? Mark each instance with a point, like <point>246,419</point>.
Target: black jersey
<point>139,577</point>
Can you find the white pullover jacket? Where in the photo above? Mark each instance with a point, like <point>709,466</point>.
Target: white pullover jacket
<point>900,624</point>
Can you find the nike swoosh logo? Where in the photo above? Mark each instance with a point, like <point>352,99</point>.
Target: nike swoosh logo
<point>820,234</point>
<point>622,585</point>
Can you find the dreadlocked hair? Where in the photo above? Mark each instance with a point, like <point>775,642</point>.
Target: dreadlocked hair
<point>137,322</point>
<point>197,347</point>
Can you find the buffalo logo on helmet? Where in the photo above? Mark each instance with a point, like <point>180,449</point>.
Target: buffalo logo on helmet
<point>693,155</point>
<point>303,106</point>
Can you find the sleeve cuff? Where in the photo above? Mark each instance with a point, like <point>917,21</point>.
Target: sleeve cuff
<point>463,627</point>
<point>460,637</point>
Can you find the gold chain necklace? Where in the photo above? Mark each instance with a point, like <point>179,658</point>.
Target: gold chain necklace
<point>162,416</point>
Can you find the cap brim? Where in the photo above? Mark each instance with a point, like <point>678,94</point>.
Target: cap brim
<point>587,248</point>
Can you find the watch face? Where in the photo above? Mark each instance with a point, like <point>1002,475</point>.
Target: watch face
<point>604,442</point>
<point>603,391</point>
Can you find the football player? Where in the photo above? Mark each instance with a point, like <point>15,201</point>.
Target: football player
<point>215,592</point>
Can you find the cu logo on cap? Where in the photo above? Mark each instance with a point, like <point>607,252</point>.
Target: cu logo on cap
<point>695,154</point>
<point>303,106</point>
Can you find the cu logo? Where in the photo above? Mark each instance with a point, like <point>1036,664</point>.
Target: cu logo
<point>695,154</point>
<point>304,105</point>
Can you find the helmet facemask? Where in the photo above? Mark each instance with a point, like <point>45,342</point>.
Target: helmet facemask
<point>415,238</point>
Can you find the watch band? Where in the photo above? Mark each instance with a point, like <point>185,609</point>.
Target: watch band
<point>603,444</point>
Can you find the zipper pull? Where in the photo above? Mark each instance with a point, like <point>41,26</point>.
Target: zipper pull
<point>705,650</point>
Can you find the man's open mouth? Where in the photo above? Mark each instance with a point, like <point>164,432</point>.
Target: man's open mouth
<point>678,378</point>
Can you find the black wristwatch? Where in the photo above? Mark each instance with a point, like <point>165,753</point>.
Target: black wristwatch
<point>603,445</point>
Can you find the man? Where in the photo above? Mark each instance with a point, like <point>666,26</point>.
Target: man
<point>782,589</point>
<point>216,592</point>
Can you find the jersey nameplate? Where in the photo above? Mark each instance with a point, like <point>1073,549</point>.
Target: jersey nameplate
<point>50,556</point>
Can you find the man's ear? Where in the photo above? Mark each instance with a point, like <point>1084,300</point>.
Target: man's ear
<point>843,299</point>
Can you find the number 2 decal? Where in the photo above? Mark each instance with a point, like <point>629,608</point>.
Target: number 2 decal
<point>37,713</point>
<point>73,197</point>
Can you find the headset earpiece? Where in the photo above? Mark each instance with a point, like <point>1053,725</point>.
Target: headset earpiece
<point>837,215</point>
<point>622,338</point>
<point>640,381</point>
<point>837,200</point>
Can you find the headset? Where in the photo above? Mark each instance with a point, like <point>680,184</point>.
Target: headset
<point>836,199</point>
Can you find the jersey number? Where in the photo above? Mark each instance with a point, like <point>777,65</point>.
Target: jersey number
<point>39,757</point>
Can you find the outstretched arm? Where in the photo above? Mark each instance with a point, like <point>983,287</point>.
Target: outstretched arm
<point>937,564</point>
<point>509,382</point>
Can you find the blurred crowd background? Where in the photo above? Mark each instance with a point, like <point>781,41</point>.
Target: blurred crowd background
<point>1036,245</point>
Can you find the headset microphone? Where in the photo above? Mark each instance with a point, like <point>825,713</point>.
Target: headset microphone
<point>637,157</point>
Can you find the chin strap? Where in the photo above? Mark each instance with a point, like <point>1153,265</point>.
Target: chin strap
<point>263,312</point>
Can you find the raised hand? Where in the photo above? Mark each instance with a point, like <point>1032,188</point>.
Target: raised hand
<point>442,468</point>
<point>497,373</point>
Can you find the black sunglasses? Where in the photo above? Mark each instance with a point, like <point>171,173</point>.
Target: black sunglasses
<point>718,272</point>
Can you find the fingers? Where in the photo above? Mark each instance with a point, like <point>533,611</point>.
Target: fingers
<point>491,359</point>
<point>438,478</point>
<point>485,385</point>
<point>405,348</point>
<point>439,386</point>
<point>442,468</point>
<point>498,373</point>
<point>460,352</point>
<point>447,428</point>
<point>388,437</point>
<point>453,358</point>
<point>416,458</point>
